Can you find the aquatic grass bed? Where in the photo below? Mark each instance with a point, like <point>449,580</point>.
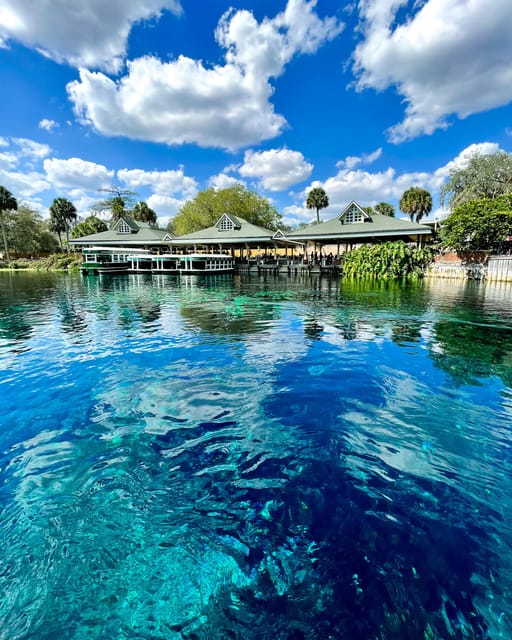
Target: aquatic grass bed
<point>280,457</point>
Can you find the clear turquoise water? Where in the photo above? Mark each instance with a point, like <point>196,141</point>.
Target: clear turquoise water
<point>277,458</point>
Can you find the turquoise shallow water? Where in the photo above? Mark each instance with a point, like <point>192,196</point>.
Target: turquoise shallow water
<point>278,458</point>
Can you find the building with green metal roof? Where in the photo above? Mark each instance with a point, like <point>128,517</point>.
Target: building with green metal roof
<point>127,232</point>
<point>352,227</point>
<point>356,226</point>
<point>231,232</point>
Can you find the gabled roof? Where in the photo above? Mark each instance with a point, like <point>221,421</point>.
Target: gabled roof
<point>373,225</point>
<point>128,220</point>
<point>228,221</point>
<point>141,233</point>
<point>350,208</point>
<point>229,229</point>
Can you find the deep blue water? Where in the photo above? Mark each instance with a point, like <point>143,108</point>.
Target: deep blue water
<point>279,458</point>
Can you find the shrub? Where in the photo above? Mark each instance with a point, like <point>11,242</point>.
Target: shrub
<point>388,260</point>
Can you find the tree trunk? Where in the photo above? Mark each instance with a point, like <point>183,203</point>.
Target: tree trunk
<point>67,236</point>
<point>317,215</point>
<point>6,247</point>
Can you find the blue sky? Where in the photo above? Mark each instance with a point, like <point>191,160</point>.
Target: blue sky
<point>170,97</point>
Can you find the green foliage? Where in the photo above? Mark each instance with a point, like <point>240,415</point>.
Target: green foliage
<point>385,209</point>
<point>62,214</point>
<point>143,213</point>
<point>388,260</point>
<point>117,208</point>
<point>61,262</point>
<point>170,228</point>
<point>416,203</point>
<point>89,226</point>
<point>479,225</point>
<point>317,199</point>
<point>55,262</point>
<point>482,177</point>
<point>27,233</point>
<point>208,206</point>
<point>7,203</point>
<point>117,204</point>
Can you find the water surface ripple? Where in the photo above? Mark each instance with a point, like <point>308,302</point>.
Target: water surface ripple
<point>260,458</point>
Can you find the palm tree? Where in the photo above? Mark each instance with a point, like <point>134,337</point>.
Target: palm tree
<point>317,199</point>
<point>416,203</point>
<point>143,213</point>
<point>62,212</point>
<point>385,209</point>
<point>7,203</point>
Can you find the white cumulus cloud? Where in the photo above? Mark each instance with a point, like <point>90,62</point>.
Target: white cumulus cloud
<point>31,149</point>
<point>76,173</point>
<point>88,33</point>
<point>368,188</point>
<point>223,181</point>
<point>23,184</point>
<point>48,125</point>
<point>446,58</point>
<point>185,101</point>
<point>8,160</point>
<point>83,201</point>
<point>165,207</point>
<point>366,158</point>
<point>160,182</point>
<point>276,169</point>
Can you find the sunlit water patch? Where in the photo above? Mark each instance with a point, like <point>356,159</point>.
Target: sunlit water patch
<point>271,458</point>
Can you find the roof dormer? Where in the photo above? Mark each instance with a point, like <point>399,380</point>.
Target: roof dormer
<point>354,214</point>
<point>125,225</point>
<point>228,223</point>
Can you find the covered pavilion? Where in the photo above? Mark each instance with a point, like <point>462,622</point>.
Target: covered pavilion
<point>233,234</point>
<point>355,226</point>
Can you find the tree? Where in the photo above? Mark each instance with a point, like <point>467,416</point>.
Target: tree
<point>143,213</point>
<point>208,206</point>
<point>479,225</point>
<point>317,199</point>
<point>117,208</point>
<point>116,204</point>
<point>62,213</point>
<point>482,177</point>
<point>57,226</point>
<point>27,232</point>
<point>87,227</point>
<point>385,209</point>
<point>7,203</point>
<point>416,203</point>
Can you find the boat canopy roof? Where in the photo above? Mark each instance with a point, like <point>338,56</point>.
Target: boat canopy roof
<point>116,250</point>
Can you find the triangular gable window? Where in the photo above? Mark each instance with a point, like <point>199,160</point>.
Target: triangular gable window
<point>123,227</point>
<point>353,214</point>
<point>278,235</point>
<point>225,224</point>
<point>167,238</point>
